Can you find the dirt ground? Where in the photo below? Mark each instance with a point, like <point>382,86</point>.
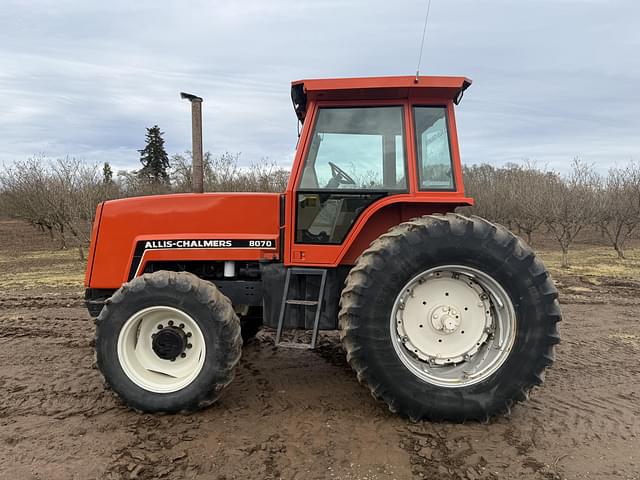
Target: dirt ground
<point>301,414</point>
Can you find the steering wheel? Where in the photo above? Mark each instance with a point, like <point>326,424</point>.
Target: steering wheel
<point>340,175</point>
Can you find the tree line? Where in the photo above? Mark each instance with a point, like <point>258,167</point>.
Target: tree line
<point>529,200</point>
<point>60,196</point>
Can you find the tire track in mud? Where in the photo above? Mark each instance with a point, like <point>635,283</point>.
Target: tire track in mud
<point>594,390</point>
<point>47,365</point>
<point>150,453</point>
<point>42,328</point>
<point>432,456</point>
<point>38,302</point>
<point>491,451</point>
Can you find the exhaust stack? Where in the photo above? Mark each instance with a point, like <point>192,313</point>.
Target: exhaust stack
<point>197,167</point>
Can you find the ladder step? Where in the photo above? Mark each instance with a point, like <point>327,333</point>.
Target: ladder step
<point>307,271</point>
<point>298,345</point>
<point>307,303</point>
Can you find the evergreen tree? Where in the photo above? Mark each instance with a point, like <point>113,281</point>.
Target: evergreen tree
<point>107,173</point>
<point>153,157</point>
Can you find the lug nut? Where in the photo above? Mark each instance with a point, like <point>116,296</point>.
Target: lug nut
<point>189,345</point>
<point>160,327</point>
<point>188,334</point>
<point>182,325</point>
<point>170,323</point>
<point>183,355</point>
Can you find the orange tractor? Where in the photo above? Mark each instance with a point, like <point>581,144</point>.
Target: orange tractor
<point>442,316</point>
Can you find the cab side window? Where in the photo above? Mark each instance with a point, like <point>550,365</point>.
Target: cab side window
<point>435,168</point>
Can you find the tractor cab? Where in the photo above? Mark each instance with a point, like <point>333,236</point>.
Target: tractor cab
<point>366,144</point>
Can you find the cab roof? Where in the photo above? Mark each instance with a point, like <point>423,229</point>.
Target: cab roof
<point>375,88</point>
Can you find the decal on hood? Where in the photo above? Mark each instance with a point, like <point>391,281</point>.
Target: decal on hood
<point>192,243</point>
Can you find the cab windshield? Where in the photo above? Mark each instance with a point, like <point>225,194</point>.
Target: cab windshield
<point>356,149</point>
<point>356,157</point>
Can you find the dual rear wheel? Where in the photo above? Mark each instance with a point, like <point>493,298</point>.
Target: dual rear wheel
<point>443,317</point>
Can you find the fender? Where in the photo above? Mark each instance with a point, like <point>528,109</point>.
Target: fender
<point>375,220</point>
<point>389,212</point>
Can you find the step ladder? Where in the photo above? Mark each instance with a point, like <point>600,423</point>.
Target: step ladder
<point>304,303</point>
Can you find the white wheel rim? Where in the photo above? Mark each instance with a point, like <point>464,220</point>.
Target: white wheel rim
<point>453,326</point>
<point>140,362</point>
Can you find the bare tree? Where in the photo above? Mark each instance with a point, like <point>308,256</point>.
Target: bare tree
<point>23,189</point>
<point>224,174</point>
<point>78,188</point>
<point>571,205</point>
<point>181,167</point>
<point>131,184</point>
<point>57,196</point>
<point>618,214</point>
<point>526,193</point>
<point>485,184</point>
<point>264,176</point>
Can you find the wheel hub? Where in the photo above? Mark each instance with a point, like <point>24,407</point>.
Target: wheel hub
<point>169,343</point>
<point>161,349</point>
<point>445,319</point>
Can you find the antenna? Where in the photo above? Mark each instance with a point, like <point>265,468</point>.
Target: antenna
<point>424,34</point>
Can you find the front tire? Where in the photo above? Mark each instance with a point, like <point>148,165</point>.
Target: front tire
<point>168,342</point>
<point>449,318</point>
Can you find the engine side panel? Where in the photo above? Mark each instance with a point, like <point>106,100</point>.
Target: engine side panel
<point>182,227</point>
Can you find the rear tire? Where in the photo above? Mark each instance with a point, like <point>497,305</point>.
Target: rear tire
<point>424,386</point>
<point>202,342</point>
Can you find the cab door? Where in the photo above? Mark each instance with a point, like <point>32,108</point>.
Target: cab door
<point>353,156</point>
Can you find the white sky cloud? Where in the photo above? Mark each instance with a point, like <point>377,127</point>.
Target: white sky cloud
<point>552,79</point>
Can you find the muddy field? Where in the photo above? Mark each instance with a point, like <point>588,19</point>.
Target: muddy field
<point>302,415</point>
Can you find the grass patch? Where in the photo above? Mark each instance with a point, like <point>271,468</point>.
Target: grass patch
<point>43,278</point>
<point>42,268</point>
<point>594,261</point>
<point>627,338</point>
<point>55,255</point>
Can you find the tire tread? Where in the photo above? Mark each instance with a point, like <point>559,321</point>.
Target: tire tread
<point>208,295</point>
<point>354,300</point>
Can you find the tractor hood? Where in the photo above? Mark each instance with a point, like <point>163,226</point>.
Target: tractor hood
<point>212,226</point>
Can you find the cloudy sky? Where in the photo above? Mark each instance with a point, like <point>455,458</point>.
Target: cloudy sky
<point>553,79</point>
